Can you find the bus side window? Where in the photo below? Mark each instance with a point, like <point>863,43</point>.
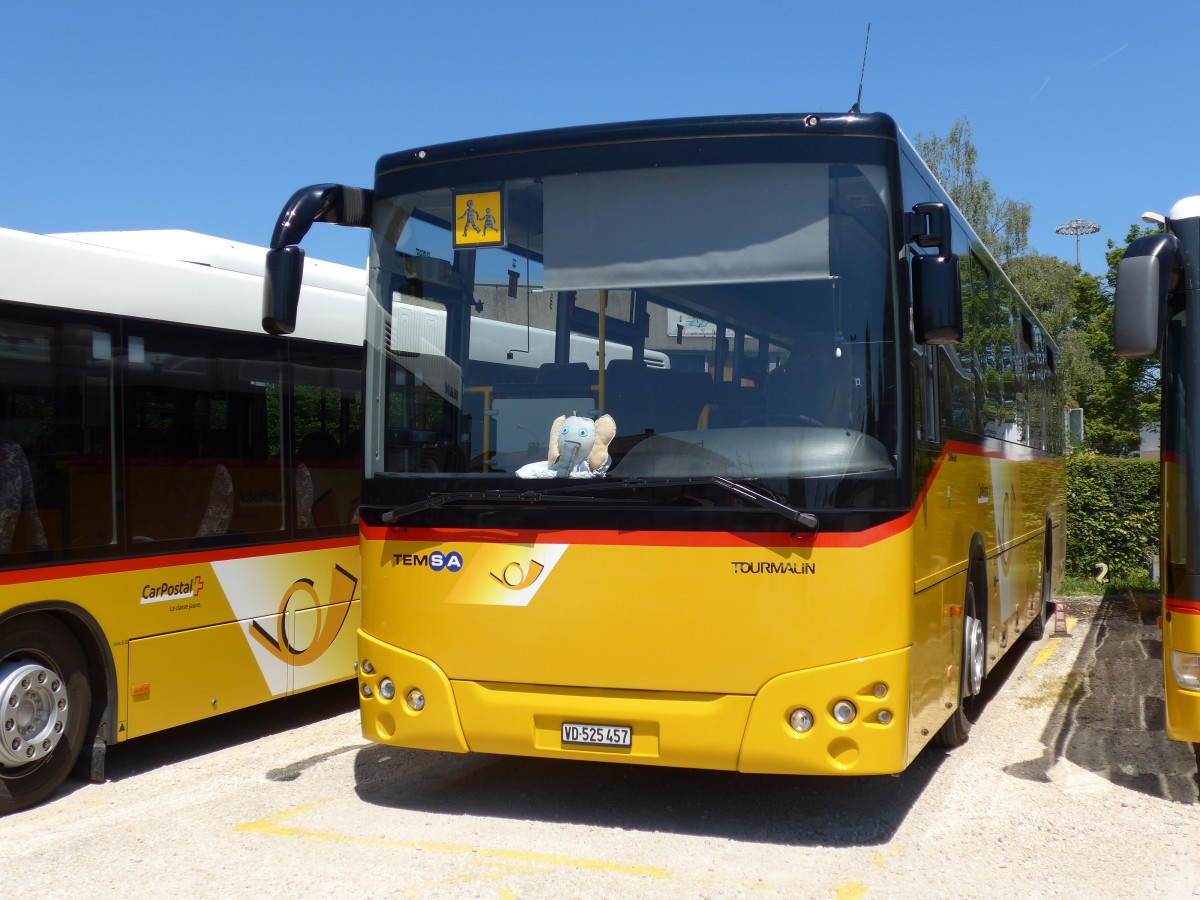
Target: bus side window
<point>202,426</point>
<point>56,487</point>
<point>326,428</point>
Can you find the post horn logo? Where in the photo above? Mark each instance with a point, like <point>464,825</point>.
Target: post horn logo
<point>513,577</point>
<point>330,618</point>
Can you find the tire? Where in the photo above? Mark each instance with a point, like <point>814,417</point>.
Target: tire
<point>957,728</point>
<point>45,702</point>
<point>1036,629</point>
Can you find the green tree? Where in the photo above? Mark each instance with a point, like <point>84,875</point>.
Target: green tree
<point>1119,397</point>
<point>1048,285</point>
<point>1001,223</point>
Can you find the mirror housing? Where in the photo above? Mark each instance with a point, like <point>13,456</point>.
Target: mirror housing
<point>281,289</point>
<point>929,226</point>
<point>1146,274</point>
<point>936,282</point>
<point>937,299</point>
<point>284,271</point>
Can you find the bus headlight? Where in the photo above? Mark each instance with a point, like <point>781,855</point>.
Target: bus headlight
<point>387,688</point>
<point>844,712</point>
<point>1186,669</point>
<point>416,700</point>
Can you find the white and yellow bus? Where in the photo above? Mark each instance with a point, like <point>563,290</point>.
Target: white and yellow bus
<point>829,493</point>
<point>1158,280</point>
<point>179,493</point>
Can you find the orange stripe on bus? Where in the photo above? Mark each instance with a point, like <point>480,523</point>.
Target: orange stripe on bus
<point>1189,607</point>
<point>195,557</point>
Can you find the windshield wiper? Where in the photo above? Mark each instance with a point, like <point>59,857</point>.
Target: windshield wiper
<point>570,493</point>
<point>758,498</point>
<point>808,520</point>
<point>435,500</point>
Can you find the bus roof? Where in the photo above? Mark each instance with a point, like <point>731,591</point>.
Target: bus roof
<point>865,124</point>
<point>178,276</point>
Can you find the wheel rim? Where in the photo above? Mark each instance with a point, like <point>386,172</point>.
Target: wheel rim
<point>973,651</point>
<point>33,711</point>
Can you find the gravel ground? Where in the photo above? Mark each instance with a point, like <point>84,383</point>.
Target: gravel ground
<point>1067,788</point>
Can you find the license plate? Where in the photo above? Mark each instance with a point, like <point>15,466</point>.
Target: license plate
<point>597,735</point>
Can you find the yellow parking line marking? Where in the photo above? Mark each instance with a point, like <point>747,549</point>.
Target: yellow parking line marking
<point>850,890</point>
<point>276,826</point>
<point>1044,655</point>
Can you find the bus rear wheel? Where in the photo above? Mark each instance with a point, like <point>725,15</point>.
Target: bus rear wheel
<point>44,704</point>
<point>957,728</point>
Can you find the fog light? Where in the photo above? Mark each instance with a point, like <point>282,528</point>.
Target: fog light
<point>884,717</point>
<point>387,688</point>
<point>367,667</point>
<point>844,712</point>
<point>880,690</point>
<point>366,690</point>
<point>801,720</point>
<point>416,700</point>
<point>1186,669</point>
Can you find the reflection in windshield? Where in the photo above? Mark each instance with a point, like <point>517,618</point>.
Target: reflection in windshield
<point>722,321</point>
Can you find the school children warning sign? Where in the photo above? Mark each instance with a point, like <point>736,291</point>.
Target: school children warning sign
<point>478,219</point>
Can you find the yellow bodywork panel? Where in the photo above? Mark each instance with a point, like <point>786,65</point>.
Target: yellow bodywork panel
<point>1181,631</point>
<point>695,620</point>
<point>191,675</point>
<point>238,626</point>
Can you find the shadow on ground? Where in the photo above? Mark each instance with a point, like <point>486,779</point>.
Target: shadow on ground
<point>1109,711</point>
<point>228,730</point>
<point>789,810</point>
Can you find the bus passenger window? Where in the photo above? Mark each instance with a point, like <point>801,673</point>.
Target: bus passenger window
<point>18,506</point>
<point>56,493</point>
<point>326,427</point>
<point>203,438</point>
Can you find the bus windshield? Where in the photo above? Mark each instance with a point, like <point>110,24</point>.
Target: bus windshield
<point>726,320</point>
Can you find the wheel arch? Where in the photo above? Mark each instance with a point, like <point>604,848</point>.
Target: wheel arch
<point>977,570</point>
<point>1048,552</point>
<point>102,671</point>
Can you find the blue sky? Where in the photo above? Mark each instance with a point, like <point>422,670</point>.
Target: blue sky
<point>207,116</point>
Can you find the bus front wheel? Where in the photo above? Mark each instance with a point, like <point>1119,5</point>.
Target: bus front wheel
<point>1037,626</point>
<point>957,728</point>
<point>44,705</point>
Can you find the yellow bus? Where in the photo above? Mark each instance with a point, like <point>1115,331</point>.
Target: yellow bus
<point>178,492</point>
<point>784,514</point>
<point>1157,280</point>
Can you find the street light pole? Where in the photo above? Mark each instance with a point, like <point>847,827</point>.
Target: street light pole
<point>1077,227</point>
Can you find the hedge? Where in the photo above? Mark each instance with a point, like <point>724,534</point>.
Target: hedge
<point>1112,514</point>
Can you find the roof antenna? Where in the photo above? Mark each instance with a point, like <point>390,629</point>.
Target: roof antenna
<point>856,109</point>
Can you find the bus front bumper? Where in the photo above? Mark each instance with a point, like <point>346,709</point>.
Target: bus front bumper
<point>746,733</point>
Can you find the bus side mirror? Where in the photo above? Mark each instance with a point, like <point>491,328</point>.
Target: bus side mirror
<point>281,289</point>
<point>1145,275</point>
<point>333,203</point>
<point>936,283</point>
<point>937,299</point>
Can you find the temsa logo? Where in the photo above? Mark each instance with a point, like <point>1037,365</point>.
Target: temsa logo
<point>330,618</point>
<point>437,560</point>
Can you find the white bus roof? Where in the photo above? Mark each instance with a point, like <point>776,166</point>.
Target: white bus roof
<point>176,276</point>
